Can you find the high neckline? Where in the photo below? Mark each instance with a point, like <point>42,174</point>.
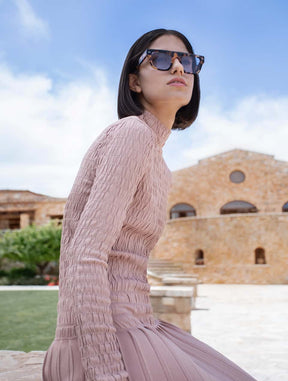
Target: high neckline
<point>157,126</point>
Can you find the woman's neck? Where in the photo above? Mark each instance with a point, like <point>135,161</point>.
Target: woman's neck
<point>167,117</point>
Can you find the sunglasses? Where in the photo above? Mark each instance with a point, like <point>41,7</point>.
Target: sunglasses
<point>163,60</point>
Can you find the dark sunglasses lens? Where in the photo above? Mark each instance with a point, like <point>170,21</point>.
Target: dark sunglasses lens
<point>161,60</point>
<point>190,64</point>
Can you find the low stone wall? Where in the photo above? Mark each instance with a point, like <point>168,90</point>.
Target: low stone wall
<point>228,243</point>
<point>21,366</point>
<point>173,304</point>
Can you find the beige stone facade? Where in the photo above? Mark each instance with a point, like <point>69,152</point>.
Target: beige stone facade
<point>19,208</point>
<point>227,219</point>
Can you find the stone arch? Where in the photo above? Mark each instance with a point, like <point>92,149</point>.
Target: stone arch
<point>285,207</point>
<point>182,210</point>
<point>199,257</point>
<point>238,206</point>
<point>260,258</point>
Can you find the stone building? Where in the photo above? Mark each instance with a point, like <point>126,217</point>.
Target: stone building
<point>227,219</point>
<point>19,208</point>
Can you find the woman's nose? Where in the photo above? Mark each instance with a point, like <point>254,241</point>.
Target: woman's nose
<point>177,66</point>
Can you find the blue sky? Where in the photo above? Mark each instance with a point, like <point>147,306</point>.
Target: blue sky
<point>60,63</point>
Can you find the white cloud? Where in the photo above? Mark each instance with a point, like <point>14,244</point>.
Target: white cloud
<point>255,123</point>
<point>46,131</point>
<point>32,25</point>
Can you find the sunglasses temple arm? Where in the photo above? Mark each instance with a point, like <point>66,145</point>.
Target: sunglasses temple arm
<point>142,57</point>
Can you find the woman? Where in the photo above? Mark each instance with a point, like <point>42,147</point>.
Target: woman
<point>113,217</point>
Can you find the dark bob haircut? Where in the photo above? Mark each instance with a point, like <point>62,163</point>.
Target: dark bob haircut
<point>128,102</point>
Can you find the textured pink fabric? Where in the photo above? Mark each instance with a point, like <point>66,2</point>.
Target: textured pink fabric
<point>113,217</point>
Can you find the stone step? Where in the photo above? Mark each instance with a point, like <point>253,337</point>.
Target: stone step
<point>165,272</point>
<point>166,269</point>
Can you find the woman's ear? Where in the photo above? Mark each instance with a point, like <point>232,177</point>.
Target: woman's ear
<point>134,84</point>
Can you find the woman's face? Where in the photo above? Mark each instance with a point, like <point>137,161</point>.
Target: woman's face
<point>155,87</point>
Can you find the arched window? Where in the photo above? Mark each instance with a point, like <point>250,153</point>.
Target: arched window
<point>260,256</point>
<point>238,207</point>
<point>182,210</point>
<point>285,207</point>
<point>199,257</point>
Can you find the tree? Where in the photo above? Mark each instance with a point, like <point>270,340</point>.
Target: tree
<point>34,246</point>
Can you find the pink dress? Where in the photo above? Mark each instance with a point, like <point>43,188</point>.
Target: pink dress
<point>113,217</point>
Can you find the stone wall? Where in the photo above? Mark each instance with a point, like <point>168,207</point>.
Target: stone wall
<point>45,211</point>
<point>229,241</point>
<point>207,185</point>
<point>21,366</point>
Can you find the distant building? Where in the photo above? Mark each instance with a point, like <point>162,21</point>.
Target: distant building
<point>19,208</point>
<point>227,219</point>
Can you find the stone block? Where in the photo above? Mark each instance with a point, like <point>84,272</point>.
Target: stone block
<point>173,304</point>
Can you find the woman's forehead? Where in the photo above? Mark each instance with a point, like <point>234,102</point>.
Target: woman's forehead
<point>169,42</point>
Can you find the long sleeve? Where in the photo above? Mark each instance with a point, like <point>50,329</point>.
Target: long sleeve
<point>124,158</point>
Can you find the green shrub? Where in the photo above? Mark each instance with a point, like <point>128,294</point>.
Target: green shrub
<point>26,281</point>
<point>21,272</point>
<point>33,246</point>
<point>3,273</point>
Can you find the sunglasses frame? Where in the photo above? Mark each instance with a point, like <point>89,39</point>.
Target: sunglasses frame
<point>179,55</point>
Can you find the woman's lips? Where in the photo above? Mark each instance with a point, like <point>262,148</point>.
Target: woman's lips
<point>177,82</point>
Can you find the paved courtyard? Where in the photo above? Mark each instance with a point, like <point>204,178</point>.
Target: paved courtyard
<point>248,324</point>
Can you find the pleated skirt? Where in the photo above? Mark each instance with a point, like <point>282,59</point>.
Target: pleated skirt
<point>161,353</point>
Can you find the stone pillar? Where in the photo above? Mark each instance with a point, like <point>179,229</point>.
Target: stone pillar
<point>173,304</point>
<point>24,220</point>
